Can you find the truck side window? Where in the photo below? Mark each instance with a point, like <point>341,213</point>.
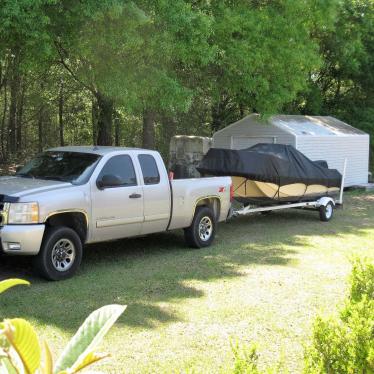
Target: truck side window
<point>149,169</point>
<point>122,167</point>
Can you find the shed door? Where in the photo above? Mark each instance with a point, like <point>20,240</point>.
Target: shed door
<point>242,142</point>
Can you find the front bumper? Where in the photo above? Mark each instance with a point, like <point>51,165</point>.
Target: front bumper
<point>21,239</point>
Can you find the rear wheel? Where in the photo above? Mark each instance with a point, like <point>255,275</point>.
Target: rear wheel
<point>60,254</point>
<point>202,231</point>
<point>326,212</point>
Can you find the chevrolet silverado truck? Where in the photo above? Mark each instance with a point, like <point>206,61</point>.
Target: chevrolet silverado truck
<point>70,196</point>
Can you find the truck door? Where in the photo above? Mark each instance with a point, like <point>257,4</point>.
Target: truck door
<point>117,209</point>
<point>157,195</point>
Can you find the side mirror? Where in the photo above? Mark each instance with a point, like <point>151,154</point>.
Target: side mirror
<point>108,180</point>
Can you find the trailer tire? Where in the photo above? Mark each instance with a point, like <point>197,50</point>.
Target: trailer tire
<point>60,254</point>
<point>326,212</point>
<point>202,231</point>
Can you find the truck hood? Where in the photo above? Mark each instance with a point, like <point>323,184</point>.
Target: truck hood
<point>18,186</point>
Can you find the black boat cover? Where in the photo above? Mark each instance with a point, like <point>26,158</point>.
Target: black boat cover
<point>274,163</point>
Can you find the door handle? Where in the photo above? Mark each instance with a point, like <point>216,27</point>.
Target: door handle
<point>135,196</point>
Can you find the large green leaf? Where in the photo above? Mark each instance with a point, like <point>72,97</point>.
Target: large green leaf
<point>4,285</point>
<point>47,366</point>
<point>23,339</point>
<point>6,366</point>
<point>88,337</point>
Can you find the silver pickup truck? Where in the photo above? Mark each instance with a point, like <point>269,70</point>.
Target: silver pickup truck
<point>69,196</point>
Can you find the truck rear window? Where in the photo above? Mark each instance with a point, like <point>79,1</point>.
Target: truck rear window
<point>149,169</point>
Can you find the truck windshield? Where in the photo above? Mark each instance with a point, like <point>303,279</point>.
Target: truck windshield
<point>73,167</point>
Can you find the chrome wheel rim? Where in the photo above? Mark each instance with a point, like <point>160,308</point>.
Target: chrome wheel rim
<point>328,210</point>
<point>205,228</point>
<point>63,255</point>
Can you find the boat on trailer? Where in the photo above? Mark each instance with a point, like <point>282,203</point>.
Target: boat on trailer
<point>269,177</point>
<point>267,174</point>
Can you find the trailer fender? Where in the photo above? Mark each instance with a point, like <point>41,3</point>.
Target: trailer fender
<point>323,201</point>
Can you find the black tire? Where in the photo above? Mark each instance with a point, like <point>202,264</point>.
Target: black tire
<point>326,212</point>
<point>194,235</point>
<point>58,240</point>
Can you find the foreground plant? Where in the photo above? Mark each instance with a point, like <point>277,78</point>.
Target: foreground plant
<point>345,343</point>
<point>20,350</point>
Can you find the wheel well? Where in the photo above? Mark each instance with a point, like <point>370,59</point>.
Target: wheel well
<point>213,203</point>
<point>74,220</point>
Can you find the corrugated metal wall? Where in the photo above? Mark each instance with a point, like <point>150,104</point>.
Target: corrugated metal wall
<point>235,135</point>
<point>334,149</point>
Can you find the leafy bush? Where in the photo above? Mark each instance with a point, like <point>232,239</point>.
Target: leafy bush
<point>345,343</point>
<point>246,361</point>
<point>362,280</point>
<point>20,351</point>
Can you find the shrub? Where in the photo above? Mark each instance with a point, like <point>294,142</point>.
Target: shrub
<point>345,343</point>
<point>362,280</point>
<point>246,361</point>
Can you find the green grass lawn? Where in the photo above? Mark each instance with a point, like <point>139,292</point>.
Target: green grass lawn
<point>264,280</point>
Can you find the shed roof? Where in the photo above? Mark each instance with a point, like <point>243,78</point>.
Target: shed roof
<point>314,125</point>
<point>302,125</point>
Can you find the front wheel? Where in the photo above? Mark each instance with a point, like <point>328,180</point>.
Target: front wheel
<point>60,254</point>
<point>326,212</point>
<point>202,231</point>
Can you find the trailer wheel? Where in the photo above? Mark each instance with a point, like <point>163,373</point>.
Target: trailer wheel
<point>202,231</point>
<point>60,254</point>
<point>326,212</point>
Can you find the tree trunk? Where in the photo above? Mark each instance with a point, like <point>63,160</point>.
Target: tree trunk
<point>40,128</point>
<point>3,151</point>
<point>20,107</point>
<point>117,131</point>
<point>61,113</point>
<point>105,120</point>
<point>14,92</point>
<point>169,129</point>
<point>217,115</point>
<point>148,129</point>
<point>94,116</point>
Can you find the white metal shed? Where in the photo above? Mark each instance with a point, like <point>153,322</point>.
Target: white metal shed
<point>318,137</point>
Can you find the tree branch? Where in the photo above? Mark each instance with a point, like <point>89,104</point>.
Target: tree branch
<point>71,72</point>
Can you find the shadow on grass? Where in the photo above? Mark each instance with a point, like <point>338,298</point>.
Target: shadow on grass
<point>153,273</point>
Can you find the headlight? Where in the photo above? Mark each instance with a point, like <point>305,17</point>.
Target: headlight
<point>23,213</point>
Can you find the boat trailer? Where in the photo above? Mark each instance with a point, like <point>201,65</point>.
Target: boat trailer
<point>325,204</point>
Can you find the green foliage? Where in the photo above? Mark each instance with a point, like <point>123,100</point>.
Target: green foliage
<point>196,65</point>
<point>87,337</point>
<point>246,361</point>
<point>343,86</point>
<point>362,281</point>
<point>20,350</point>
<point>265,52</point>
<point>345,343</point>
